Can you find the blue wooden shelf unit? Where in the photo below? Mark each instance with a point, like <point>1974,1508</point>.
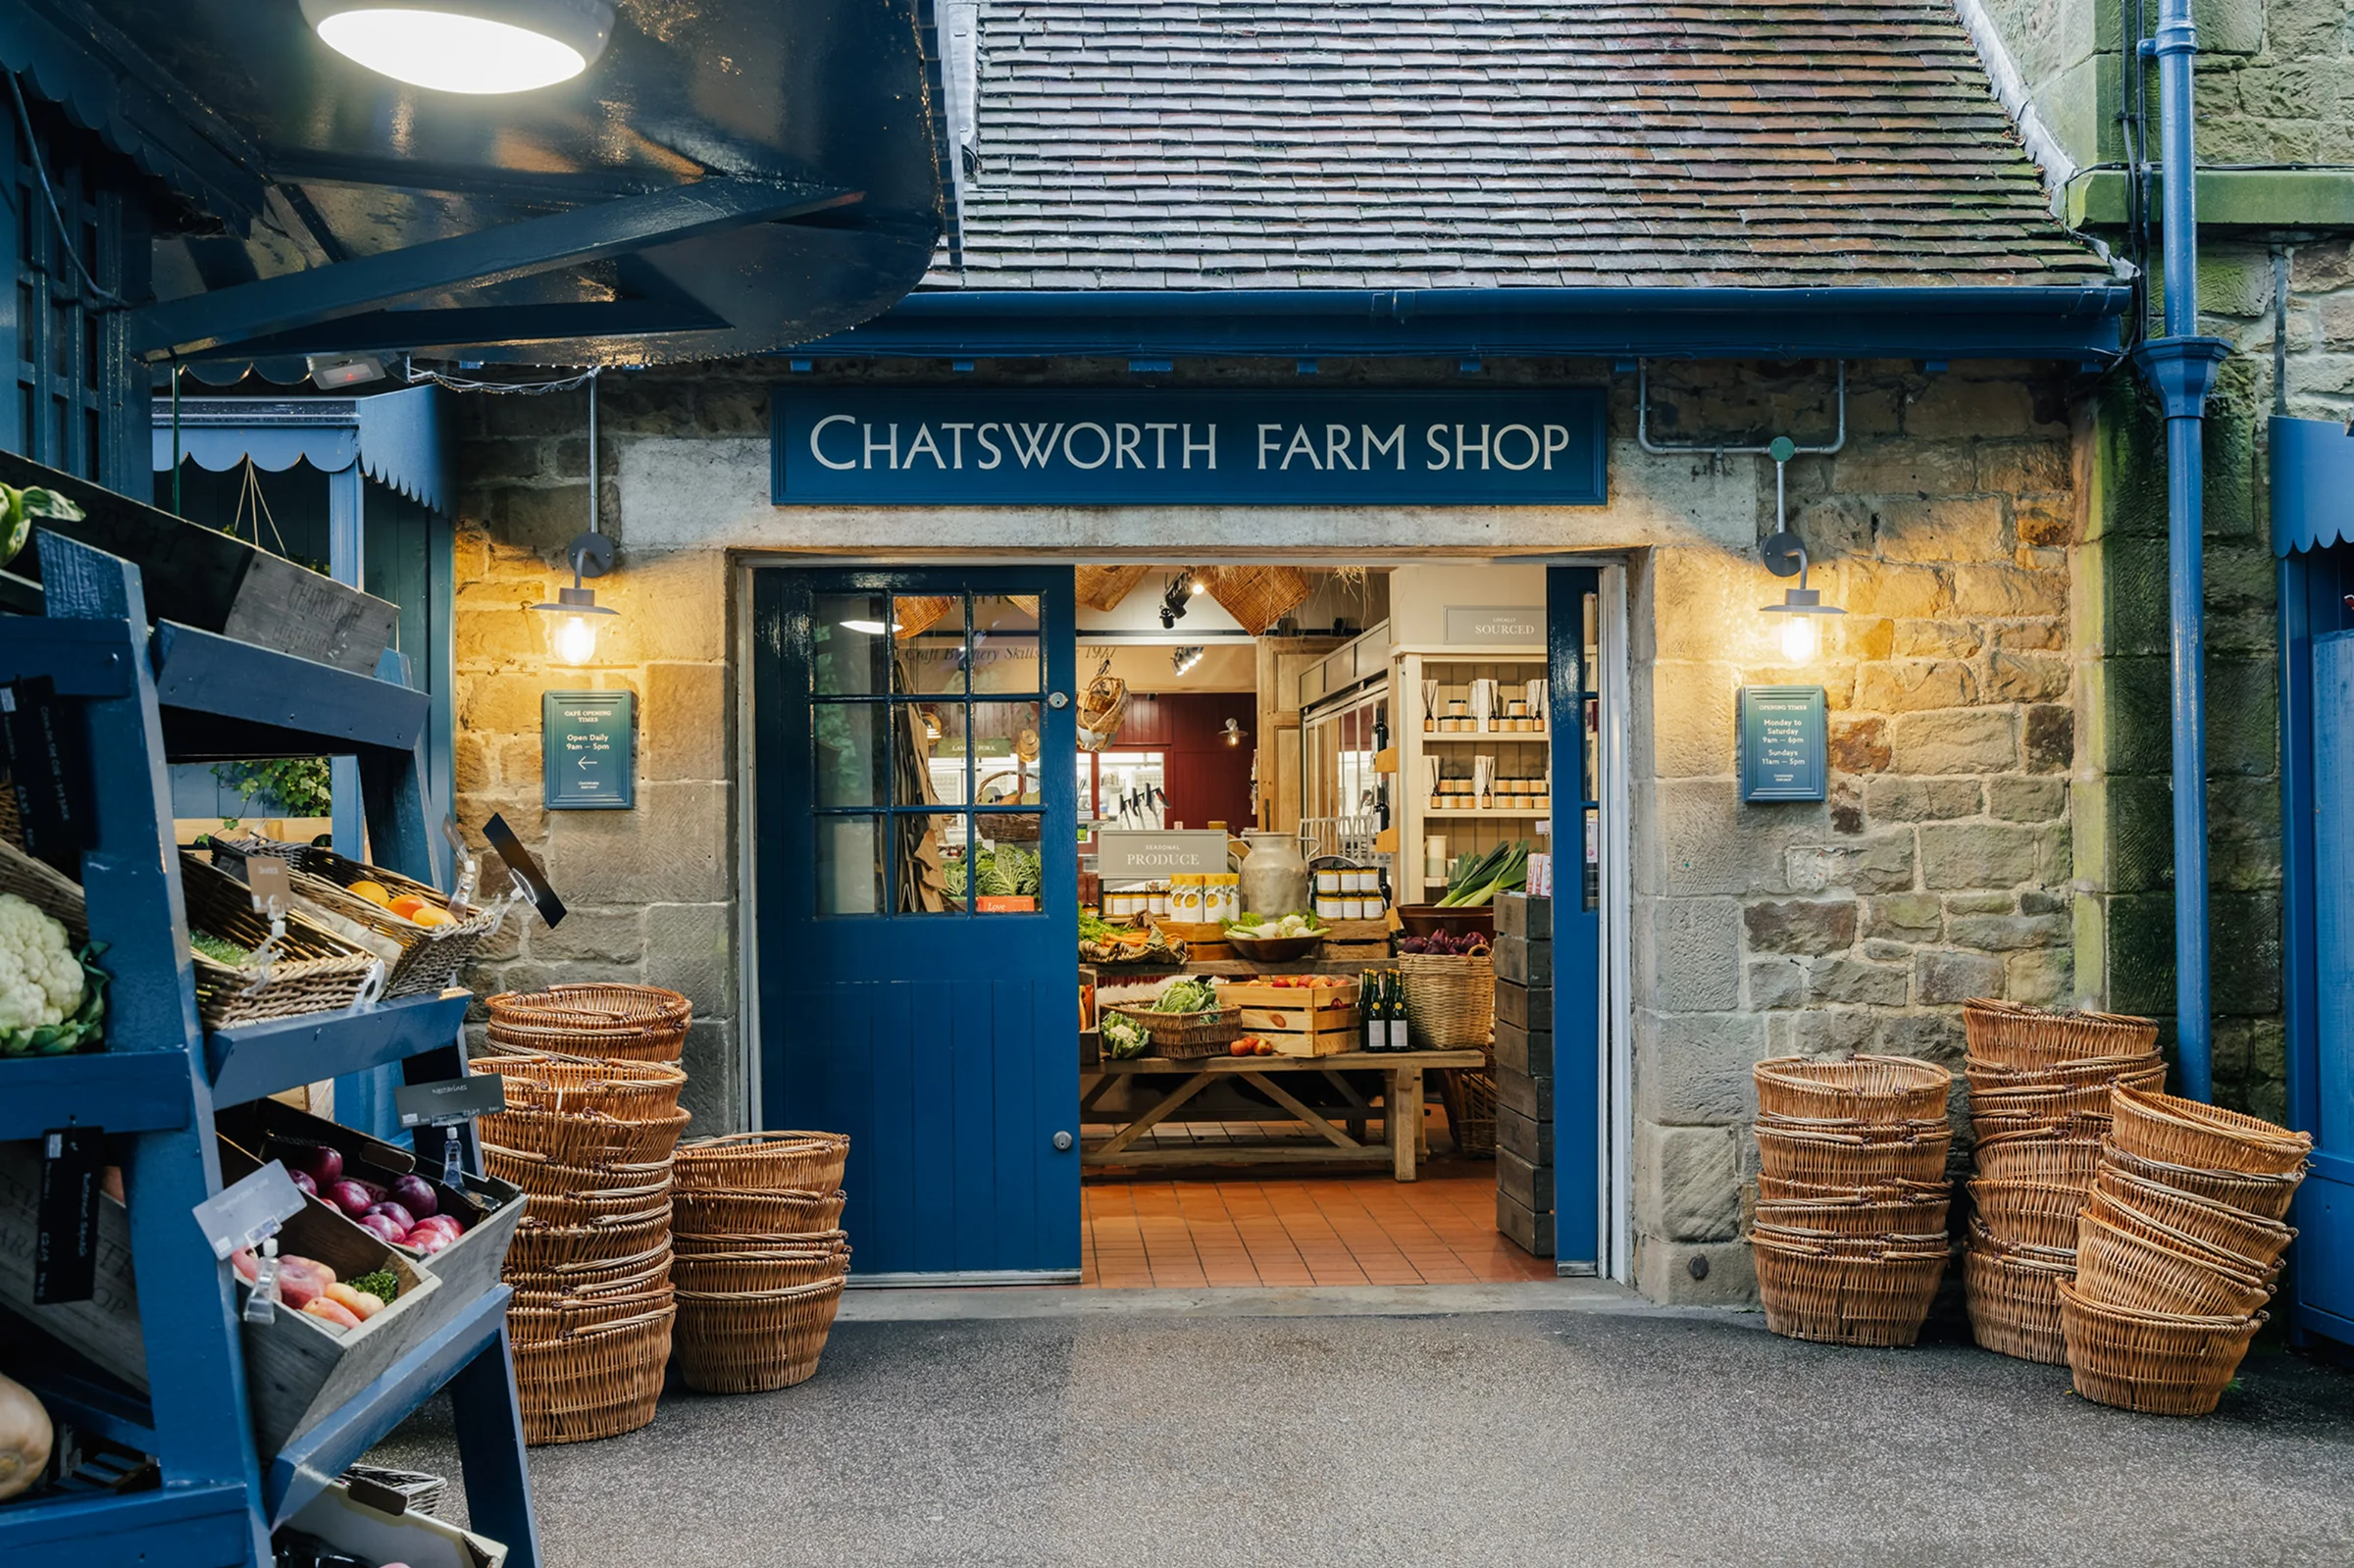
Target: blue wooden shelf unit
<point>150,697</point>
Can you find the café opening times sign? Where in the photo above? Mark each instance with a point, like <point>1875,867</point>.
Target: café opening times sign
<point>1150,445</point>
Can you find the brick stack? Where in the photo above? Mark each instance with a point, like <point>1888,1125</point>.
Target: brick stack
<point>1525,1071</point>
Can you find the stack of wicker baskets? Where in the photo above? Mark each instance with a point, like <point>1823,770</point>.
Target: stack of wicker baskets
<point>1850,1236</point>
<point>2177,1252</point>
<point>2039,1103</point>
<point>591,1123</point>
<point>761,1257</point>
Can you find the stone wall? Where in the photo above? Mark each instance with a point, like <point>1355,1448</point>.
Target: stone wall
<point>1939,868</point>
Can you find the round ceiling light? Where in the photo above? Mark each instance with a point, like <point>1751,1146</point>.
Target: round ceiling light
<point>471,46</point>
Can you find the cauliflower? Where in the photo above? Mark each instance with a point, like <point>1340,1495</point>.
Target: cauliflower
<point>40,979</point>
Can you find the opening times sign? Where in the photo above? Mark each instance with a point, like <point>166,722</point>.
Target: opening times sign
<point>1152,446</point>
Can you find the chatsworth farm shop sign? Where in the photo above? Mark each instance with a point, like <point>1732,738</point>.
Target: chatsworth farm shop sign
<point>1148,446</point>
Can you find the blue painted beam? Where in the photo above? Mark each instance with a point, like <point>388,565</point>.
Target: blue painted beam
<point>258,1059</point>
<point>86,658</point>
<point>302,1469</point>
<point>2068,323</point>
<point>284,304</point>
<point>121,1091</point>
<point>185,1527</point>
<point>200,672</point>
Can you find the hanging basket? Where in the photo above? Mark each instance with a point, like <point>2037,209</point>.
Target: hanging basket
<point>1102,708</point>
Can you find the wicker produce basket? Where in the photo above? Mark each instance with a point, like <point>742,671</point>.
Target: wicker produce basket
<point>1871,1131</point>
<point>594,1205</point>
<point>1870,1291</point>
<point>764,1162</point>
<point>635,1092</point>
<point>593,1382</point>
<point>541,1177</point>
<point>1839,1159</point>
<point>421,960</point>
<point>2109,1212</point>
<point>1471,1113</point>
<point>2015,1303</point>
<point>1182,1035</point>
<point>1862,1088</point>
<point>640,1270</point>
<point>2028,1213</point>
<point>771,1268</point>
<point>707,1215</point>
<point>2266,1196</point>
<point>554,1319</point>
<point>2168,1364</point>
<point>2007,1035</point>
<point>2187,1217</point>
<point>2119,1268</point>
<point>2181,1131</point>
<point>638,1023</point>
<point>755,1342</point>
<point>1921,1216</point>
<point>2041,1105</point>
<point>1449,1001</point>
<point>2142,1072</point>
<point>539,1245</point>
<point>2033,1156</point>
<point>584,1137</point>
<point>1785,1189</point>
<point>313,970</point>
<point>45,887</point>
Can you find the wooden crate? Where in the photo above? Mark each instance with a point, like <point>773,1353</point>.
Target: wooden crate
<point>1298,1020</point>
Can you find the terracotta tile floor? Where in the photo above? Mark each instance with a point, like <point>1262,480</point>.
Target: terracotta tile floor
<point>1273,1230</point>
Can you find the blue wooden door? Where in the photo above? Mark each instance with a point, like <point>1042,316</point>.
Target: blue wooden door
<point>1574,616</point>
<point>917,905</point>
<point>2325,1214</point>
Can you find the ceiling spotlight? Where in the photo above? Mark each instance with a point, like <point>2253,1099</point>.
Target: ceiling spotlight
<point>1173,602</point>
<point>1183,659</point>
<point>332,371</point>
<point>471,46</point>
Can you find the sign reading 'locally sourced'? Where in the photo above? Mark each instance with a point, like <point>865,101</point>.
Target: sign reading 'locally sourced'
<point>1784,743</point>
<point>1149,445</point>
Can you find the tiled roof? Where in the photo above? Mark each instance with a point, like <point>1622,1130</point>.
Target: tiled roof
<point>1429,144</point>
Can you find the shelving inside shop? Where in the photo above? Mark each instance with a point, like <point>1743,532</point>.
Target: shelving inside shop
<point>235,1454</point>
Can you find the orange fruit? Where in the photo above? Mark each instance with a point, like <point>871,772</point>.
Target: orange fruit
<point>407,905</point>
<point>374,893</point>
<point>429,915</point>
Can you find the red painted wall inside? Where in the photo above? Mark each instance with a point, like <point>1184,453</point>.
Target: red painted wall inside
<point>1208,779</point>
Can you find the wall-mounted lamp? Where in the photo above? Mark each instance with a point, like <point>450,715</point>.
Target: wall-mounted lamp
<point>474,46</point>
<point>573,617</point>
<point>1786,556</point>
<point>1234,733</point>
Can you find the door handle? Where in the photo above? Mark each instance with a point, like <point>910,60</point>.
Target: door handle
<point>1062,1143</point>
<point>1058,699</point>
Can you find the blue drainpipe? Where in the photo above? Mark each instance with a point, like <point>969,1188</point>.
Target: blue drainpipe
<point>2180,366</point>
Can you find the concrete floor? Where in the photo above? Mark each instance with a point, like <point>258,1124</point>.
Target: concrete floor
<point>1525,1424</point>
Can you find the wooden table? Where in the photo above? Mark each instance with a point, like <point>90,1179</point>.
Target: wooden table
<point>1402,1107</point>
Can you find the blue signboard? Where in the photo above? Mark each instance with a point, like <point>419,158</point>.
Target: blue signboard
<point>588,750</point>
<point>969,446</point>
<point>1785,750</point>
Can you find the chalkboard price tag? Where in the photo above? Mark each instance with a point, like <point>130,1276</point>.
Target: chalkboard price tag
<point>451,1102</point>
<point>65,1261</point>
<point>1785,745</point>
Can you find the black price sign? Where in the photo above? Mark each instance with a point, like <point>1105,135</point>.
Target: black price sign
<point>64,1261</point>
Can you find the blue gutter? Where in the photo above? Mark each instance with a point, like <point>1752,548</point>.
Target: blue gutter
<point>2079,322</point>
<point>2182,366</point>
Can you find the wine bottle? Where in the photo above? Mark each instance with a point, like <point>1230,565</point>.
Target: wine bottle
<point>1368,1008</point>
<point>1397,1013</point>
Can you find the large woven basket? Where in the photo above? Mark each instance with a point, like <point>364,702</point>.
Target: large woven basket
<point>593,1382</point>
<point>2112,1211</point>
<point>2015,1304</point>
<point>764,1162</point>
<point>1182,1035</point>
<point>2161,1127</point>
<point>1783,1188</point>
<point>2043,1105</point>
<point>640,1270</point>
<point>2266,1196</point>
<point>540,1246</point>
<point>1871,1131</point>
<point>2168,1364</point>
<point>2035,1156</point>
<point>2028,1213</point>
<point>755,1342</point>
<point>2007,1035</point>
<point>422,960</point>
<point>760,1214</point>
<point>1471,1112</point>
<point>2142,1072</point>
<point>771,1268</point>
<point>635,1092</point>
<point>541,1177</point>
<point>640,1022</point>
<point>1860,1089</point>
<point>548,1318</point>
<point>2186,1215</point>
<point>1449,1001</point>
<point>584,1137</point>
<point>2120,1268</point>
<point>44,887</point>
<point>1835,1159</point>
<point>1917,1216</point>
<point>1859,1291</point>
<point>314,971</point>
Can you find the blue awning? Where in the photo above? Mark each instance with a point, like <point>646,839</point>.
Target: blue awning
<point>396,437</point>
<point>2312,485</point>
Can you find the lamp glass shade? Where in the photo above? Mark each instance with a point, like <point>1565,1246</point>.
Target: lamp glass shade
<point>1800,640</point>
<point>467,46</point>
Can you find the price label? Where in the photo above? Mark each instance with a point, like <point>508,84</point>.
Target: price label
<point>247,1212</point>
<point>267,880</point>
<point>65,1259</point>
<point>452,1102</point>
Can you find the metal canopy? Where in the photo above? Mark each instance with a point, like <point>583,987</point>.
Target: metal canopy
<point>396,437</point>
<point>729,177</point>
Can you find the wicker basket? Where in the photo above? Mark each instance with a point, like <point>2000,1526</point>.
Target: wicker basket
<point>1862,1088</point>
<point>594,1205</point>
<point>316,971</point>
<point>2181,1131</point>
<point>539,1247</point>
<point>541,1177</point>
<point>2015,1304</point>
<point>640,1022</point>
<point>1837,1159</point>
<point>2007,1035</point>
<point>764,1162</point>
<point>1187,1035</point>
<point>2142,1072</point>
<point>584,1137</point>
<point>2168,1364</point>
<point>2265,1197</point>
<point>2043,1105</point>
<point>421,960</point>
<point>1920,1216</point>
<point>635,1092</point>
<point>44,887</point>
<point>608,1043</point>
<point>596,1382</point>
<point>1781,1188</point>
<point>2117,1267</point>
<point>1449,1001</point>
<point>706,1215</point>
<point>1871,1131</point>
<point>1472,1118</point>
<point>771,1268</point>
<point>2175,1213</point>
<point>2028,1213</point>
<point>2077,1124</point>
<point>1861,1291</point>
<point>2138,1222</point>
<point>755,1342</point>
<point>640,1270</point>
<point>2037,1158</point>
<point>554,1319</point>
<point>1257,596</point>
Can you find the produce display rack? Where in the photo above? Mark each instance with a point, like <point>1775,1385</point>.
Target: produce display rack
<point>176,694</point>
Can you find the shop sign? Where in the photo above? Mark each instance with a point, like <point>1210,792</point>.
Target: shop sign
<point>1495,625</point>
<point>922,446</point>
<point>1135,854</point>
<point>1785,747</point>
<point>588,750</point>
